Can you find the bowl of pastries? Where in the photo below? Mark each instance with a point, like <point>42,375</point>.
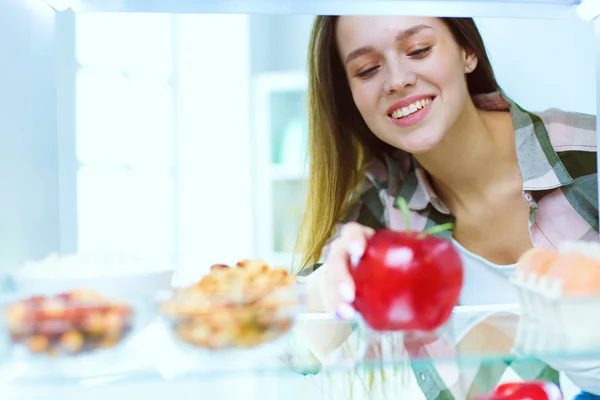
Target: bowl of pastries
<point>234,307</point>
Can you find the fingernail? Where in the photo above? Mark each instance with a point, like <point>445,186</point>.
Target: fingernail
<point>347,292</point>
<point>345,311</point>
<point>356,251</point>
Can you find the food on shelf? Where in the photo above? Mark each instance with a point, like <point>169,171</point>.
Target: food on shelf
<point>578,274</point>
<point>573,270</point>
<point>534,390</point>
<point>69,323</point>
<point>537,261</point>
<point>407,281</point>
<point>234,307</point>
<point>561,290</point>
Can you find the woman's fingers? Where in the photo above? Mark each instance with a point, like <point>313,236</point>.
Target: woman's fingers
<point>346,251</point>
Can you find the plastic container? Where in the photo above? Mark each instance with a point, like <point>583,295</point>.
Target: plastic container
<point>572,318</point>
<point>534,338</point>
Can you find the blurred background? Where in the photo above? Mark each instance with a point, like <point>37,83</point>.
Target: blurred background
<point>183,136</point>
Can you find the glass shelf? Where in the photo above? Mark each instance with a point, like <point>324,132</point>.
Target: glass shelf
<point>321,345</point>
<point>465,8</point>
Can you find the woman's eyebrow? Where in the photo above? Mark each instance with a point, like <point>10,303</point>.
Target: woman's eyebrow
<point>402,35</point>
<point>405,34</point>
<point>361,51</point>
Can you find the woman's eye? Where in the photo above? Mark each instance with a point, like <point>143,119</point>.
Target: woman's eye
<point>367,72</point>
<point>420,53</point>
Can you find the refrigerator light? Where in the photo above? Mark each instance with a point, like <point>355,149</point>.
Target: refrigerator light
<point>60,5</point>
<point>589,10</point>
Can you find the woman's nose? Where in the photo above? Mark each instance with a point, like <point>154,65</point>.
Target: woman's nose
<point>398,78</point>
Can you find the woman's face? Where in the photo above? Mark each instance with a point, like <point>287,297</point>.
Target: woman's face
<point>407,77</point>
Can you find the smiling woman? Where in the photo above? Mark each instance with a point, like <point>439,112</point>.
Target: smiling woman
<point>393,63</point>
<point>339,90</point>
<point>407,109</point>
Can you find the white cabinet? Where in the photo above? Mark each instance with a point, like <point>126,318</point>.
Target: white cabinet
<point>280,134</point>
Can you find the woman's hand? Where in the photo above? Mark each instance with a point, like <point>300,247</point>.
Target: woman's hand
<point>336,286</point>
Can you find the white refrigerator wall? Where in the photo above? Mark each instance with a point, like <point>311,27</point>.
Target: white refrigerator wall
<point>29,185</point>
<point>544,63</point>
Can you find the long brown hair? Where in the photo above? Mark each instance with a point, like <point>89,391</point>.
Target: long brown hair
<point>340,142</point>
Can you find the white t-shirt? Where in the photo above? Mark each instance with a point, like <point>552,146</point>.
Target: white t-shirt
<point>485,282</point>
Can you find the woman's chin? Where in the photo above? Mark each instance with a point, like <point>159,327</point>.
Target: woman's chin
<point>420,145</point>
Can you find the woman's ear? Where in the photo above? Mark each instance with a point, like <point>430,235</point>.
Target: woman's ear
<point>470,61</point>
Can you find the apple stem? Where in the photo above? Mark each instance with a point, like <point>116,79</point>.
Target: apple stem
<point>434,230</point>
<point>403,206</point>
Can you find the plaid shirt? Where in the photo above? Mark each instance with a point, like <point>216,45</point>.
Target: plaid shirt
<point>557,157</point>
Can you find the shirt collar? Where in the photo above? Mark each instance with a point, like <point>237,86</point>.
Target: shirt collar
<point>540,165</point>
<point>424,193</point>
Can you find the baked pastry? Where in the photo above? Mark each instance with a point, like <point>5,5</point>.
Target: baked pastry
<point>232,307</point>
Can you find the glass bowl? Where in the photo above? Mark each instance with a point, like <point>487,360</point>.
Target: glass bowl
<point>239,308</point>
<point>70,333</point>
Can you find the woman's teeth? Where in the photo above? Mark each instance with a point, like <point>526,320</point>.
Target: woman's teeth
<point>411,109</point>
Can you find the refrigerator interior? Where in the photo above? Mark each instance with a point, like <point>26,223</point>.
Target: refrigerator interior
<point>131,139</point>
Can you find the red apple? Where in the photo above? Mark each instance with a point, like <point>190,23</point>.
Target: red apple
<point>407,281</point>
<point>534,390</point>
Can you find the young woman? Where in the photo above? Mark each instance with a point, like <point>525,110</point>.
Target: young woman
<point>408,107</point>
